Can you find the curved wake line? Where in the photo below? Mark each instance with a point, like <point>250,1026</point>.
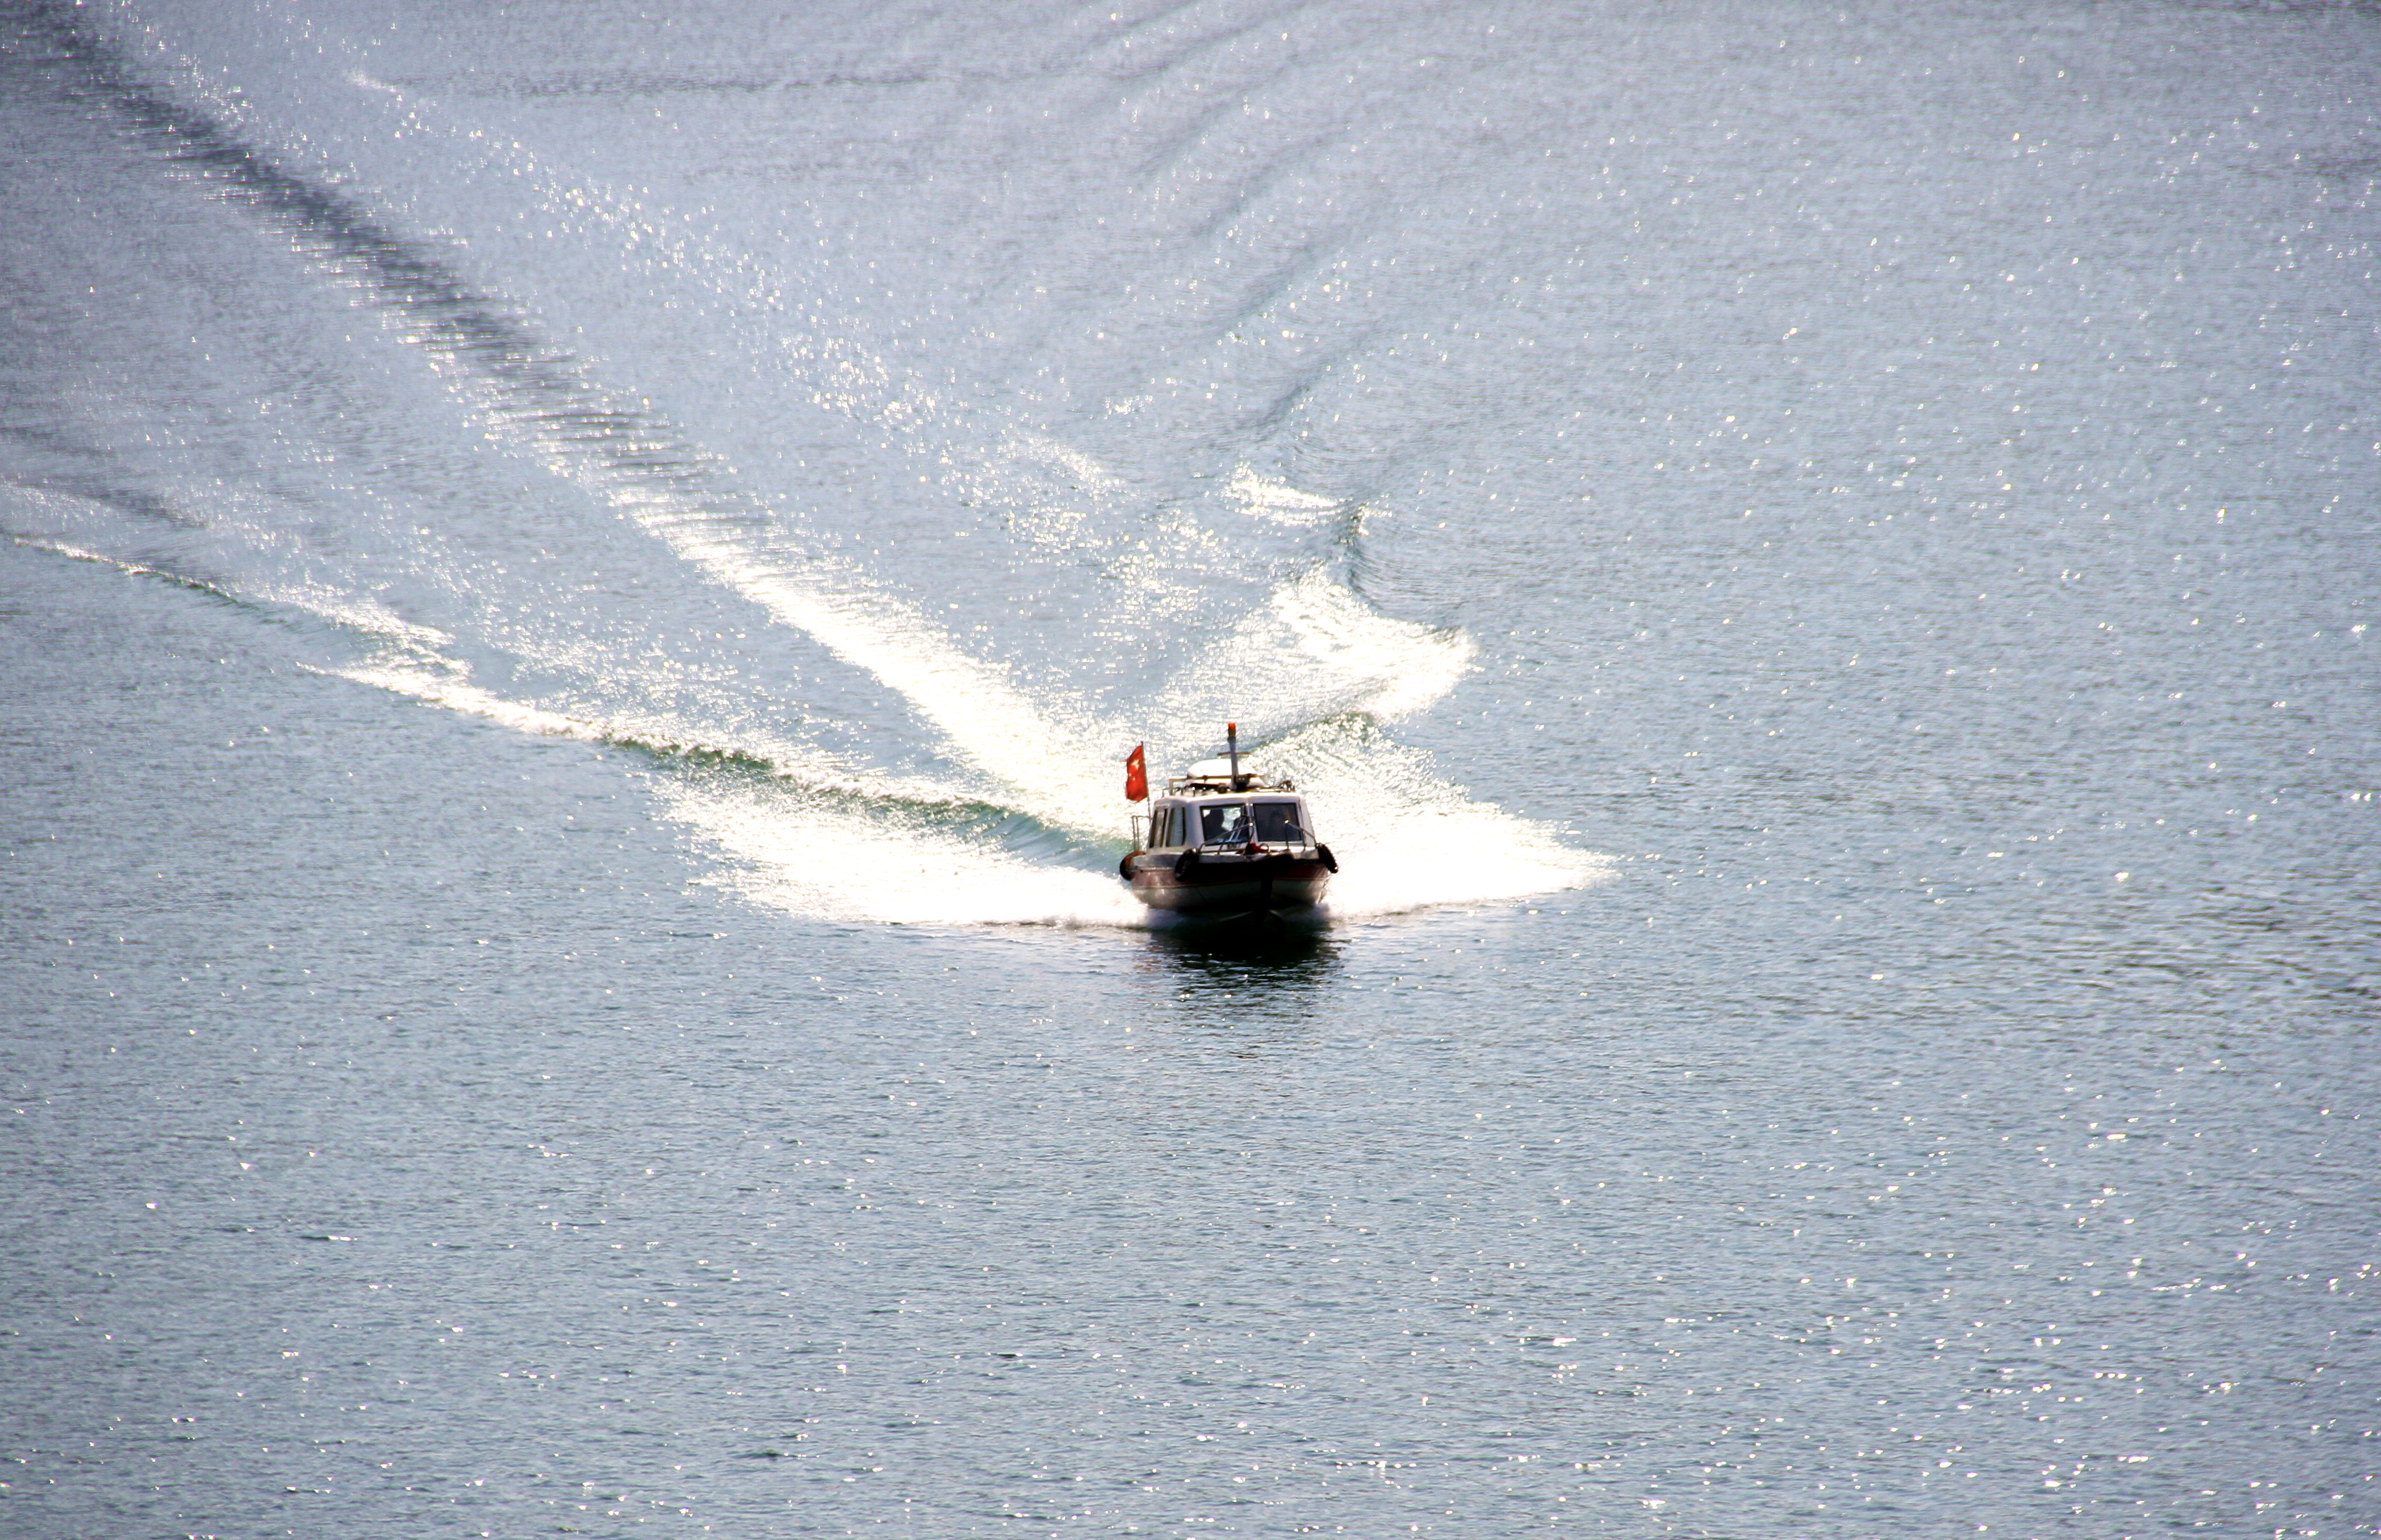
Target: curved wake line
<point>546,399</point>
<point>840,863</point>
<point>444,688</point>
<point>1322,649</point>
<point>1316,650</point>
<point>366,616</point>
<point>856,850</point>
<point>423,674</point>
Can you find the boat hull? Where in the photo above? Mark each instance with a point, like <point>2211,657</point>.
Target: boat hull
<point>1221,885</point>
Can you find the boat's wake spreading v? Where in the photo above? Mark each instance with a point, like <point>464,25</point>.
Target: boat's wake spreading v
<point>815,833</point>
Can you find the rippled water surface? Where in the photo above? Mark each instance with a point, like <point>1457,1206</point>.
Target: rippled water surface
<point>579,579</point>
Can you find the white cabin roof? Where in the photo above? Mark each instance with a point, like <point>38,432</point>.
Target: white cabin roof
<point>1213,777</point>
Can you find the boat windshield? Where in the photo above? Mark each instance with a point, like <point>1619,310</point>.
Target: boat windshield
<point>1223,824</point>
<point>1277,824</point>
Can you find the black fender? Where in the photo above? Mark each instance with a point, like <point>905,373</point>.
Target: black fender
<point>1124,867</point>
<point>1183,862</point>
<point>1323,853</point>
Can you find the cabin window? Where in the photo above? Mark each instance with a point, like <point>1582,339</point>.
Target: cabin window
<point>1223,824</point>
<point>1170,826</point>
<point>1277,824</point>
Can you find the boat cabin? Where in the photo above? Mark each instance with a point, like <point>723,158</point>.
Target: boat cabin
<point>1210,808</point>
<point>1223,842</point>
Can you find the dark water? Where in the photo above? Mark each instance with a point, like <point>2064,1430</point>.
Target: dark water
<point>579,579</point>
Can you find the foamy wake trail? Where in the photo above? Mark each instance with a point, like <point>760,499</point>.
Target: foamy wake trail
<point>815,843</point>
<point>811,857</point>
<point>1406,839</point>
<point>833,847</point>
<point>442,682</point>
<point>1277,501</point>
<point>1313,651</point>
<point>1059,767</point>
<point>813,840</point>
<point>531,391</point>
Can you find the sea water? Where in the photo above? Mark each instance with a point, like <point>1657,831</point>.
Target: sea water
<point>579,579</point>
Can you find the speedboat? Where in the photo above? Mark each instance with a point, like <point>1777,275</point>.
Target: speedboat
<point>1221,841</point>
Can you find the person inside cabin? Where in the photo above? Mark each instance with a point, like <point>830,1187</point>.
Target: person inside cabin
<point>1277,824</point>
<point>1223,824</point>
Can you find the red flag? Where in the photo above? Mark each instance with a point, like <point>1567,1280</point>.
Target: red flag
<point>1136,775</point>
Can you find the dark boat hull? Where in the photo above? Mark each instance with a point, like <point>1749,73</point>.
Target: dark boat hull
<point>1220,885</point>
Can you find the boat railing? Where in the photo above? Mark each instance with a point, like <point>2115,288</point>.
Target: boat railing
<point>1225,786</point>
